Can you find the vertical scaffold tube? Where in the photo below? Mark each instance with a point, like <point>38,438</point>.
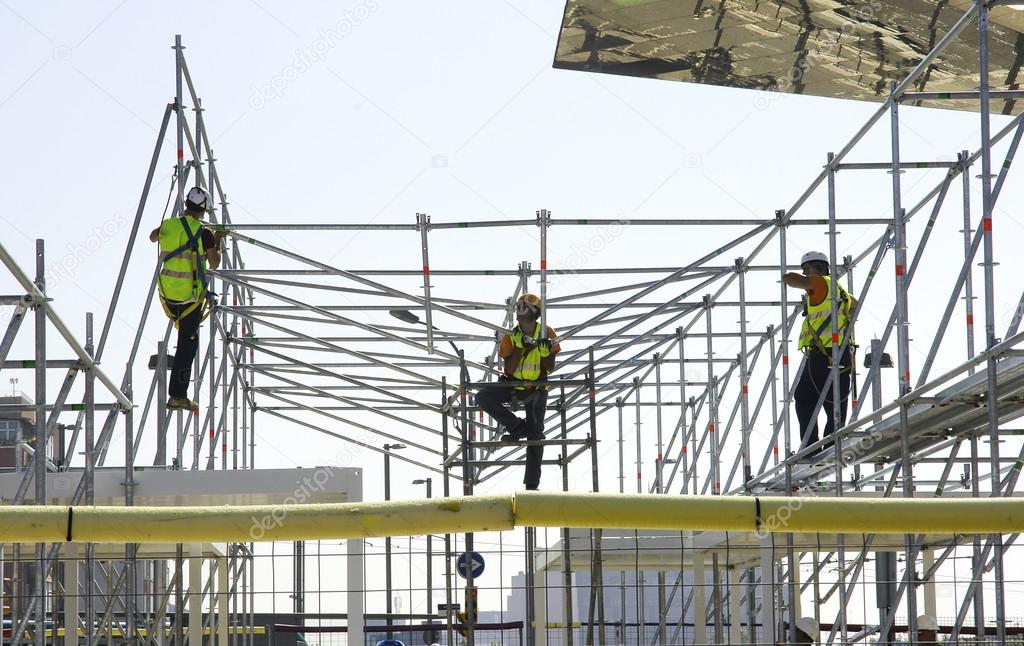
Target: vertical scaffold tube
<point>639,454</point>
<point>741,272</point>
<point>598,568</point>
<point>990,305</point>
<point>793,564</point>
<point>566,538</point>
<point>851,337</point>
<point>977,566</point>
<point>902,341</point>
<point>683,428</point>
<point>659,464</point>
<point>446,487</point>
<point>423,224</point>
<point>544,220</point>
<point>180,125</point>
<point>90,490</point>
<point>40,440</point>
<point>712,402</point>
<point>129,500</point>
<point>838,404</point>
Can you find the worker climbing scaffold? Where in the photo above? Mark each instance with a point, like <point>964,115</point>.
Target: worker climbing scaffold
<point>186,246</point>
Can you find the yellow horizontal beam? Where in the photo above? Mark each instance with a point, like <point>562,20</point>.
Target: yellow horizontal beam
<point>498,513</point>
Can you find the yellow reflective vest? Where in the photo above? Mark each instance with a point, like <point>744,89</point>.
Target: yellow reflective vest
<point>529,364</point>
<point>816,332</point>
<point>183,268</point>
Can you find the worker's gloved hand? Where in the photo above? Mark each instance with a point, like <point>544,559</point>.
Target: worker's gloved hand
<point>504,377</point>
<point>516,338</point>
<point>544,347</point>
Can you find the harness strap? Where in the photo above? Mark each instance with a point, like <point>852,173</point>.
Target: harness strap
<point>176,274</point>
<point>205,304</point>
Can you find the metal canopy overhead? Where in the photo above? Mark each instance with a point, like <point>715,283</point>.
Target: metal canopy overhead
<point>842,49</point>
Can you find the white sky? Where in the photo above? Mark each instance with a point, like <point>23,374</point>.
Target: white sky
<point>373,111</point>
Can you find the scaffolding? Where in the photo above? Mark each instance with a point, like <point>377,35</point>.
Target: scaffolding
<point>312,343</point>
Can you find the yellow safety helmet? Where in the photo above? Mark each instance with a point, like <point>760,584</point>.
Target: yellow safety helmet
<point>532,300</point>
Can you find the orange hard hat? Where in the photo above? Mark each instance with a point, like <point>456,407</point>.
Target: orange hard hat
<point>532,300</point>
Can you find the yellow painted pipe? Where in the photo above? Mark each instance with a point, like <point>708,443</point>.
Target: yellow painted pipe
<point>893,515</point>
<point>28,524</point>
<point>22,523</point>
<point>257,522</point>
<point>633,511</point>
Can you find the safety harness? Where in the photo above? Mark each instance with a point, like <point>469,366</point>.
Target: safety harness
<point>845,305</point>
<point>197,276</point>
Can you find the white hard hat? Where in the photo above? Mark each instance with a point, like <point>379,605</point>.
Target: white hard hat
<point>927,622</point>
<point>812,256</point>
<point>198,198</point>
<point>809,627</point>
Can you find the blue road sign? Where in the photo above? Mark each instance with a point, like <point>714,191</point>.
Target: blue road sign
<point>478,564</point>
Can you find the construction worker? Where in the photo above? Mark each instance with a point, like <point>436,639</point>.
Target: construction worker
<point>816,343</point>
<point>927,630</point>
<point>186,246</point>
<point>529,355</point>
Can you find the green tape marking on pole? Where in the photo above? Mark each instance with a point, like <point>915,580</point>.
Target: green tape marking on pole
<point>28,363</point>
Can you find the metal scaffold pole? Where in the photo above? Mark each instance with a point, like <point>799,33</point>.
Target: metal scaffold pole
<point>987,213</point>
<point>902,350</point>
<point>41,566</point>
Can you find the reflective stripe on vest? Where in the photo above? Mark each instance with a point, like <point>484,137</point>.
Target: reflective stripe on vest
<point>818,317</point>
<point>529,364</point>
<point>179,280</point>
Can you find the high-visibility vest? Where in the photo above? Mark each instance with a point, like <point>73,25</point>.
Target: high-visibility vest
<point>817,328</point>
<point>183,271</point>
<point>529,364</point>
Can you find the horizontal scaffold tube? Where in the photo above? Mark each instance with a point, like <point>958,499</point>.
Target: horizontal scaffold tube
<point>27,524</point>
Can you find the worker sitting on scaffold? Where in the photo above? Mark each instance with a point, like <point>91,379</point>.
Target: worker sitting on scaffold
<point>529,355</point>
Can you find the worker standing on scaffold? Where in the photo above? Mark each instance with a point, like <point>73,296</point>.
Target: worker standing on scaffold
<point>186,246</point>
<point>816,342</point>
<point>529,356</point>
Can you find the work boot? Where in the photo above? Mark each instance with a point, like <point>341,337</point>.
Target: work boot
<point>515,434</point>
<point>182,403</point>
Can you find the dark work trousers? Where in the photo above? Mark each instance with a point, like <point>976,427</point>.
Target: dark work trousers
<point>808,389</point>
<point>185,353</point>
<point>492,400</point>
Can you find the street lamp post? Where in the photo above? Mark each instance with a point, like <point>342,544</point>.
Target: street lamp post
<point>430,552</point>
<point>408,317</point>
<point>388,448</point>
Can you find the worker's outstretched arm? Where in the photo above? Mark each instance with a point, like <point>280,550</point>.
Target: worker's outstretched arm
<point>793,279</point>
